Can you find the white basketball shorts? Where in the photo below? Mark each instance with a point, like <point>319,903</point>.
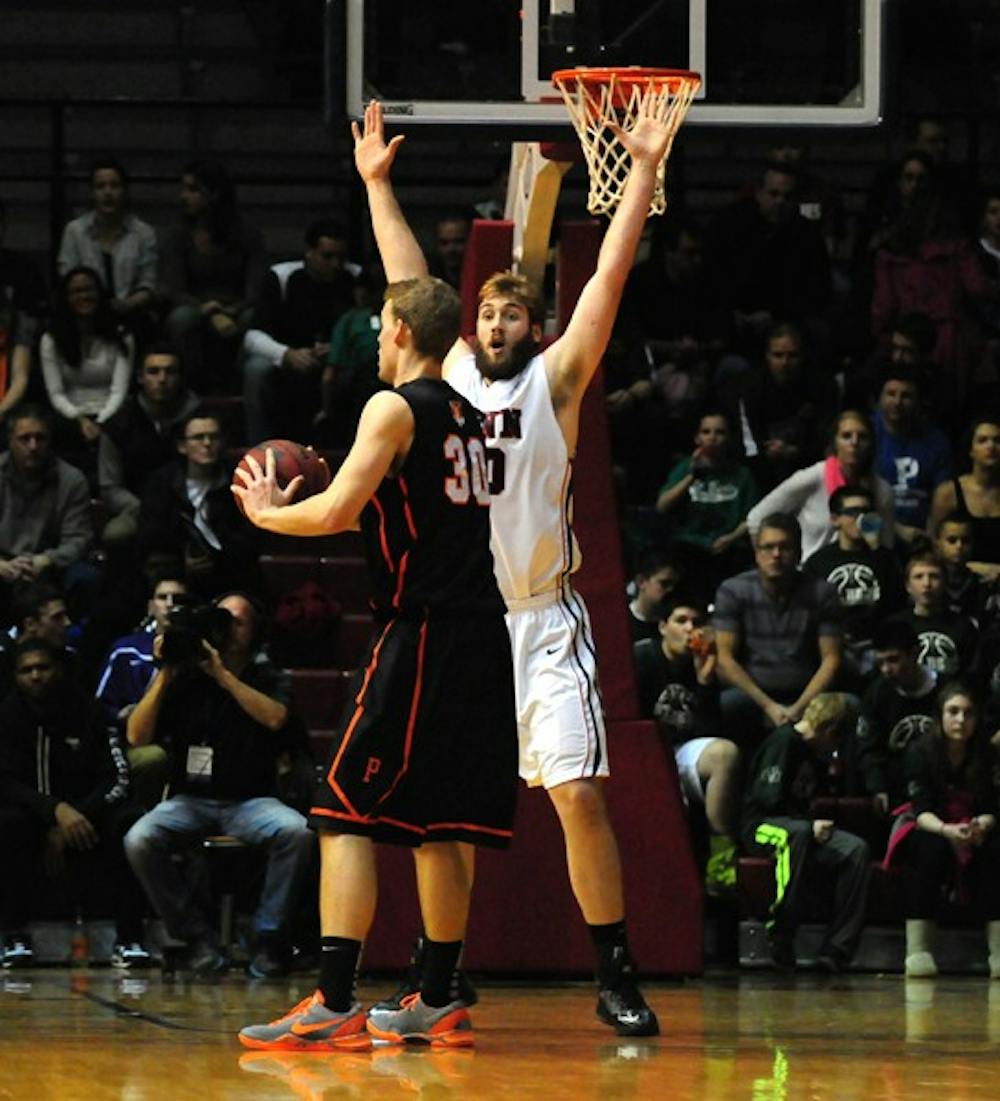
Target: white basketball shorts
<point>560,718</point>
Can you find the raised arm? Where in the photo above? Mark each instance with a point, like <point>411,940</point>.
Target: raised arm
<point>401,254</point>
<point>574,357</point>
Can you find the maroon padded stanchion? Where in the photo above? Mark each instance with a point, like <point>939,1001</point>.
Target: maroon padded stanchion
<point>488,250</point>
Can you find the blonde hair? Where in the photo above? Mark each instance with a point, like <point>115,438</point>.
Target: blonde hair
<point>829,710</point>
<point>432,310</point>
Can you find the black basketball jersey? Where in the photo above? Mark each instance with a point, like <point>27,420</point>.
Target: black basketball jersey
<point>427,529</point>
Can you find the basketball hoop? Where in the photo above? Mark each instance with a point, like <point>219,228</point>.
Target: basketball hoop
<point>595,97</point>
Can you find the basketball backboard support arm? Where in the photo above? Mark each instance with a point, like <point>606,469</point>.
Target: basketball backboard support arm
<point>856,100</point>
<point>532,193</point>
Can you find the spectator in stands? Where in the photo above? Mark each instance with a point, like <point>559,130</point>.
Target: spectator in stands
<point>946,640</point>
<point>977,495</point>
<point>63,803</point>
<point>786,775</point>
<point>451,234</point>
<point>22,304</point>
<point>287,345</point>
<point>806,493</point>
<point>865,576</point>
<point>912,456</point>
<point>966,593</point>
<point>986,390</point>
<point>678,688</point>
<point>781,407</point>
<point>45,527</point>
<point>770,264</point>
<point>928,140</point>
<point>140,438</point>
<point>350,375</point>
<point>211,269</point>
<point>86,362</point>
<point>989,231</point>
<point>778,634</point>
<point>897,708</point>
<point>188,511</point>
<point>117,246</point>
<point>910,348</point>
<point>706,500</point>
<point>38,610</point>
<point>656,578</point>
<point>927,265</point>
<point>899,185</point>
<point>947,836</point>
<point>128,669</point>
<point>223,713</point>
<point>669,307</point>
<point>670,330</point>
<point>818,199</point>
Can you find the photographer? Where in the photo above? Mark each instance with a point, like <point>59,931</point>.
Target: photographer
<point>221,710</point>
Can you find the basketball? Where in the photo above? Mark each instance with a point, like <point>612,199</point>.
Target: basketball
<point>290,460</point>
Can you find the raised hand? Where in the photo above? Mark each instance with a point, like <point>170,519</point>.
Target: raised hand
<point>649,137</point>
<point>372,157</point>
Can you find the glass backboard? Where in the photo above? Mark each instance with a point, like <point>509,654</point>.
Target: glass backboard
<point>763,62</point>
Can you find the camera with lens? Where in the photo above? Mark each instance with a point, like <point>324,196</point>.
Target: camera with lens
<point>190,624</point>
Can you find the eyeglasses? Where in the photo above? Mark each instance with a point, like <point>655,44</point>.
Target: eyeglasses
<point>204,437</point>
<point>855,510</point>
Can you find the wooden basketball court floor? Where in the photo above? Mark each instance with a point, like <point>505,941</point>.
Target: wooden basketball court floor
<point>94,1035</point>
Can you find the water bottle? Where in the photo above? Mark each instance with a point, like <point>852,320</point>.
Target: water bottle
<point>870,528</point>
<point>79,943</point>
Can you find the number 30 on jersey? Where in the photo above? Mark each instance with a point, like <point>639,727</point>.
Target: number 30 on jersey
<point>468,477</point>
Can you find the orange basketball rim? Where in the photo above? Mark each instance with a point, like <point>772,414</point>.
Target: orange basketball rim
<point>598,96</point>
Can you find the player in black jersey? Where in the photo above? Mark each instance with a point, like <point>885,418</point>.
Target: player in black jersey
<point>427,747</point>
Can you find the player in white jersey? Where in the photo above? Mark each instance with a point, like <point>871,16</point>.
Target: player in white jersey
<point>532,404</point>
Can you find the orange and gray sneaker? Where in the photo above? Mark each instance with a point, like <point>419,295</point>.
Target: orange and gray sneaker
<point>413,1022</point>
<point>310,1026</point>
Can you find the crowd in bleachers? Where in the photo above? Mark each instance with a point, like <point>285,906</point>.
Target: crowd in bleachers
<point>125,395</point>
<point>810,494</point>
<point>806,427</point>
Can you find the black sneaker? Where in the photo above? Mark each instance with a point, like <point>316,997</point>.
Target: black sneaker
<point>268,962</point>
<point>204,958</point>
<point>830,962</point>
<point>625,1009</point>
<point>17,951</point>
<point>462,989</point>
<point>782,947</point>
<point>620,1002</point>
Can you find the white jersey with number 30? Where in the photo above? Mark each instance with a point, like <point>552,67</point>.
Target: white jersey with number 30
<point>531,504</point>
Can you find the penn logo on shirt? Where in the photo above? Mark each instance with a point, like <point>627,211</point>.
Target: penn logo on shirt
<point>503,424</point>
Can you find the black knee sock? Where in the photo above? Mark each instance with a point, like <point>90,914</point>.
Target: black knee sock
<point>612,951</point>
<point>338,966</point>
<point>440,961</point>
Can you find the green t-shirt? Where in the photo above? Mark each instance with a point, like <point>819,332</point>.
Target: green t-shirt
<point>716,502</point>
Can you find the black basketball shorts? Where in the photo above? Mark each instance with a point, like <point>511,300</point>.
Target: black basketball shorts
<point>426,749</point>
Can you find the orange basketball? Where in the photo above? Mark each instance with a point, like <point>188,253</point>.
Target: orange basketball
<point>290,460</point>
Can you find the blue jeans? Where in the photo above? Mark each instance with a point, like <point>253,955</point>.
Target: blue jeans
<point>178,822</point>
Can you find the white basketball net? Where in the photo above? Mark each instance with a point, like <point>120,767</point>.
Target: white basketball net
<point>617,99</point>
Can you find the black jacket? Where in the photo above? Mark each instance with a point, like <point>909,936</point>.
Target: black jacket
<point>64,754</point>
